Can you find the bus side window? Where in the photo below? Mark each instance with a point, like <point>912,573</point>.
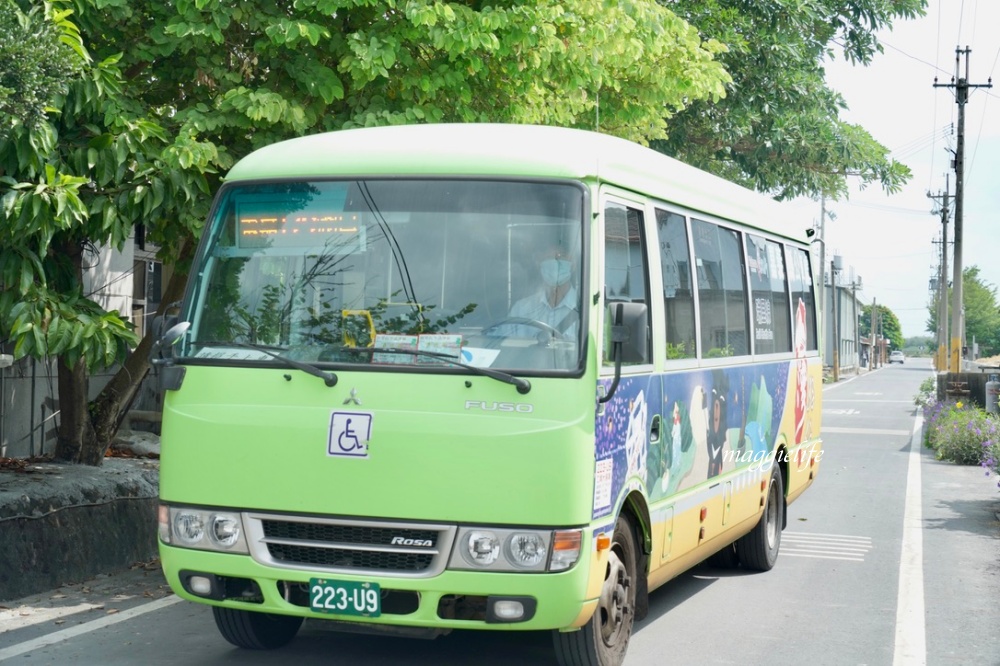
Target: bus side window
<point>678,299</point>
<point>772,314</point>
<point>801,286</point>
<point>722,293</point>
<point>625,264</point>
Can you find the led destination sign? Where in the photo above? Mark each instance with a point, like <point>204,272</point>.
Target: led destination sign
<point>338,232</point>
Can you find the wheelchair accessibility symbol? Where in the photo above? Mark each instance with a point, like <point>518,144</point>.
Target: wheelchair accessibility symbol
<point>349,434</point>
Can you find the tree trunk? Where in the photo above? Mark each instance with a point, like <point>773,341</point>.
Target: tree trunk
<point>109,408</point>
<point>75,431</point>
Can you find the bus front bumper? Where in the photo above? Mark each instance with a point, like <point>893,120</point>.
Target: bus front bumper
<point>449,600</point>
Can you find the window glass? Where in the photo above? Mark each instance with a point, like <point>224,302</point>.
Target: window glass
<point>722,293</point>
<point>625,267</point>
<point>485,273</point>
<point>803,303</point>
<point>772,315</point>
<point>678,298</point>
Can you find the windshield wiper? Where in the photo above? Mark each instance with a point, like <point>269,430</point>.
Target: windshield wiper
<point>328,378</point>
<point>522,385</point>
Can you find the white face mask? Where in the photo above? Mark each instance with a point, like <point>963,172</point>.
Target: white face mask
<point>556,272</point>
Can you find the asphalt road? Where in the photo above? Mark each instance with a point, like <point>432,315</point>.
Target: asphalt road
<point>891,557</point>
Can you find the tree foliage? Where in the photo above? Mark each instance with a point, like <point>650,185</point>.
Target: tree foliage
<point>888,325</point>
<point>170,94</point>
<point>145,132</point>
<point>778,129</point>
<point>36,62</point>
<point>982,314</point>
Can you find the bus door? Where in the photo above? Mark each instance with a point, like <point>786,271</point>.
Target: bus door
<point>628,428</point>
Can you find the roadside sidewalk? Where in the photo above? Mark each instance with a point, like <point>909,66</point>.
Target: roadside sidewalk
<point>67,523</point>
<point>961,560</point>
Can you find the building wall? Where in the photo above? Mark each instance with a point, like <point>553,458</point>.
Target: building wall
<point>848,310</point>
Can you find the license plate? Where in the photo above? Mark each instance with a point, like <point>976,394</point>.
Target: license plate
<point>343,597</point>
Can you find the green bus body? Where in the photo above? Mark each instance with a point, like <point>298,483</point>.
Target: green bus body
<point>295,452</point>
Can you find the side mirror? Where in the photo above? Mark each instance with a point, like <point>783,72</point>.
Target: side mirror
<point>630,328</point>
<point>629,338</point>
<point>162,351</point>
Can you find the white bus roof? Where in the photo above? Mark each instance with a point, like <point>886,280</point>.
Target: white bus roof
<point>497,150</point>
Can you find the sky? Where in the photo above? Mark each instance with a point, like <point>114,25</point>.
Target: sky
<point>892,241</point>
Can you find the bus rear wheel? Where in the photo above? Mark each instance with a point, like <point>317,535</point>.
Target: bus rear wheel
<point>758,550</point>
<point>255,631</point>
<point>603,641</point>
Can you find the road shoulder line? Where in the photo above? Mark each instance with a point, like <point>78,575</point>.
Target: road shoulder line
<point>86,627</point>
<point>911,641</point>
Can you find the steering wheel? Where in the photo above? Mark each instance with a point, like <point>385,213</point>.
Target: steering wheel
<point>524,321</point>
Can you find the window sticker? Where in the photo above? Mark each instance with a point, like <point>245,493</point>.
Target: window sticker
<point>394,341</point>
<point>349,434</point>
<point>450,345</point>
<point>603,475</point>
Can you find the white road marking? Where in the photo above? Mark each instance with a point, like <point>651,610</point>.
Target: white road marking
<point>865,431</point>
<point>825,546</point>
<point>822,557</point>
<point>867,400</point>
<point>86,627</point>
<point>911,642</point>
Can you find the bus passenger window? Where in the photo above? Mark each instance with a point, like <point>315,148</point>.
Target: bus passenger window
<point>772,314</point>
<point>803,301</point>
<point>678,299</point>
<point>722,294</point>
<point>625,263</point>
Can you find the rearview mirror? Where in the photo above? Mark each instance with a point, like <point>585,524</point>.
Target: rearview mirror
<point>629,327</point>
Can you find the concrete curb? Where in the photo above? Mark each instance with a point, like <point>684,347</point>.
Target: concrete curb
<point>67,523</point>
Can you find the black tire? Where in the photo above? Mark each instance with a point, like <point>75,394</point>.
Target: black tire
<point>255,631</point>
<point>758,550</point>
<point>603,641</point>
<point>727,558</point>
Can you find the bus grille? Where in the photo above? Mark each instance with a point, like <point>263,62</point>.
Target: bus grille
<point>349,546</point>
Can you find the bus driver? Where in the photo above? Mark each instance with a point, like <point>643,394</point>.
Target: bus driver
<point>555,302</point>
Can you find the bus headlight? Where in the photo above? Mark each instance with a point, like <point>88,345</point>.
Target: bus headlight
<point>515,550</point>
<point>481,548</point>
<point>188,527</point>
<point>204,529</point>
<point>525,550</point>
<point>225,530</point>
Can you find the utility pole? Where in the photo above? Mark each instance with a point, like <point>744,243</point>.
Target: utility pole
<point>822,271</point>
<point>836,331</point>
<point>961,86</point>
<point>941,358</point>
<point>874,327</point>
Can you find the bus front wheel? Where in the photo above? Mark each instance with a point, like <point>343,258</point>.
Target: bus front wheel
<point>604,639</point>
<point>255,631</point>
<point>758,550</point>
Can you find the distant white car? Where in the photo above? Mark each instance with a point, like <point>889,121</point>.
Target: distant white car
<point>896,357</point>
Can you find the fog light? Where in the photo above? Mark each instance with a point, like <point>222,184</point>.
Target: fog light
<point>200,585</point>
<point>508,610</point>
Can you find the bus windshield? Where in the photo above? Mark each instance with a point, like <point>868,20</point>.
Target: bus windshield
<point>486,273</point>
